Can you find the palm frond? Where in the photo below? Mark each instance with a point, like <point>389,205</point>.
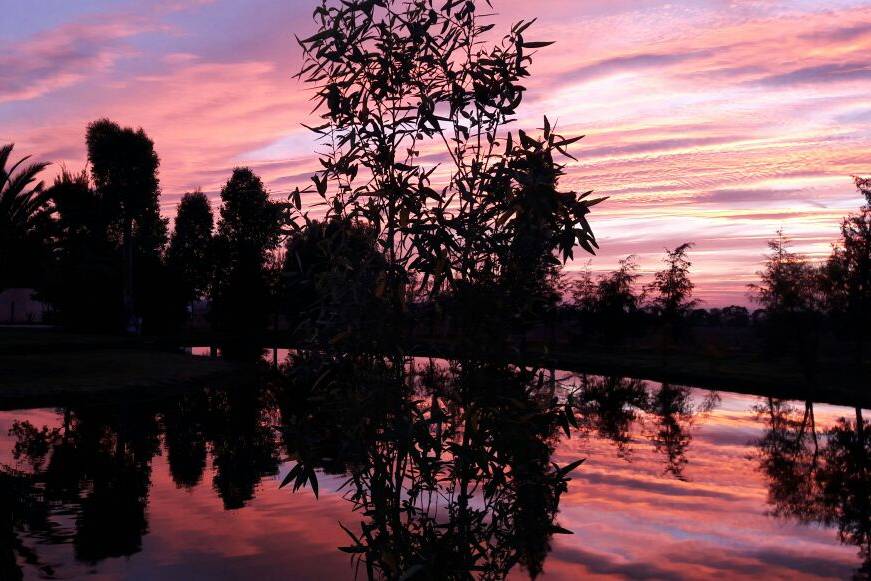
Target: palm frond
<point>23,203</point>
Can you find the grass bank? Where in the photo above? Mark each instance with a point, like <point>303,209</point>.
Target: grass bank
<point>834,378</point>
<point>832,381</point>
<point>48,368</point>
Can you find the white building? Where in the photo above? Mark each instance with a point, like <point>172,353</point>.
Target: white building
<point>18,307</point>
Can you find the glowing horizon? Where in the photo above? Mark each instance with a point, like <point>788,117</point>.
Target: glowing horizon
<point>710,121</point>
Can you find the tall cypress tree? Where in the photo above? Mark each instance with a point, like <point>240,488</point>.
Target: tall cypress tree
<point>124,171</point>
<point>189,256</point>
<point>248,231</point>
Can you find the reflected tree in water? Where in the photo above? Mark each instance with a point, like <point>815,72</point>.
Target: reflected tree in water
<point>98,464</point>
<point>820,478</point>
<point>844,481</point>
<point>621,409</point>
<point>184,426</point>
<point>450,469</point>
<point>96,468</point>
<point>448,464</point>
<point>789,457</point>
<point>673,413</point>
<point>111,457</point>
<point>241,430</point>
<point>610,405</point>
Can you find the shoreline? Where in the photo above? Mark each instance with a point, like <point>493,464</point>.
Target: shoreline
<point>42,368</point>
<point>48,368</point>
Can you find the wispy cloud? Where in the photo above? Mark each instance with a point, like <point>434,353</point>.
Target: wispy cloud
<point>62,57</point>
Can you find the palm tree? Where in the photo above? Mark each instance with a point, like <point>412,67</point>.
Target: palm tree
<point>24,212</point>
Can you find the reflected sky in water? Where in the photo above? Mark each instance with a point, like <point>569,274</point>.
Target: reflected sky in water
<point>665,495</point>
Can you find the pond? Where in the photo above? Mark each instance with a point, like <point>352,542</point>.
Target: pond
<point>436,469</point>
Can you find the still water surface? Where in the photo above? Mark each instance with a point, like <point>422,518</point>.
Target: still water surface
<point>677,483</point>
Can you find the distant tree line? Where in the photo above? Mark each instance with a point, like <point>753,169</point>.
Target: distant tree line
<point>798,301</point>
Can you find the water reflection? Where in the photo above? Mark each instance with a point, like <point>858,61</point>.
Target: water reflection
<point>618,408</point>
<point>820,478</point>
<point>97,467</point>
<point>446,469</point>
<point>451,469</point>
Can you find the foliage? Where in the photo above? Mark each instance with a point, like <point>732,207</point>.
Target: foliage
<point>615,292</point>
<point>189,256</point>
<point>25,221</point>
<point>847,273</point>
<point>608,306</point>
<point>413,100</point>
<point>249,220</point>
<point>98,467</point>
<point>124,172</point>
<point>85,286</point>
<point>449,467</point>
<point>248,230</point>
<point>788,282</point>
<point>584,291</point>
<point>789,293</point>
<point>335,280</point>
<point>820,477</point>
<point>735,316</point>
<point>672,288</point>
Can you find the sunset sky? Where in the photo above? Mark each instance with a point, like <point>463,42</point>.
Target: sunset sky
<point>706,120</point>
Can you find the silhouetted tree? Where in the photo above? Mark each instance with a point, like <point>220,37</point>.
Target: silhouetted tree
<point>735,316</point>
<point>671,289</point>
<point>583,291</point>
<point>85,286</point>
<point>124,170</point>
<point>615,301</point>
<point>25,222</point>
<point>787,283</point>
<point>788,291</point>
<point>248,231</point>
<point>402,78</point>
<point>335,281</point>
<point>847,273</point>
<point>190,252</point>
<point>616,291</point>
<point>670,294</point>
<point>528,178</point>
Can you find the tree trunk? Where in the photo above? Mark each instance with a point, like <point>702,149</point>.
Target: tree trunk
<point>128,314</point>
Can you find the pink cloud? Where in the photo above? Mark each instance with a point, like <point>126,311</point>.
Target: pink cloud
<point>64,56</point>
